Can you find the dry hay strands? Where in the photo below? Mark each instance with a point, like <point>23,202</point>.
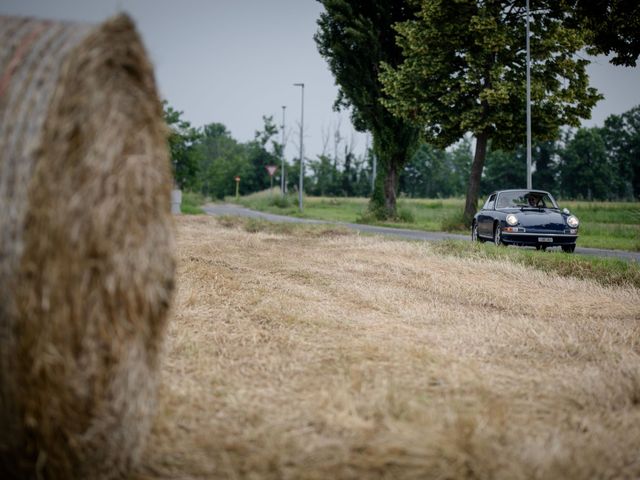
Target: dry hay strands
<point>86,248</point>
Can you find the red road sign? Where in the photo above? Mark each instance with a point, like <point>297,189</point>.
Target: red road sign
<point>271,169</point>
<point>237,179</point>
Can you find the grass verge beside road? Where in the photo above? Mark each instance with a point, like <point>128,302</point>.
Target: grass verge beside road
<point>611,225</point>
<point>192,203</point>
<point>605,271</point>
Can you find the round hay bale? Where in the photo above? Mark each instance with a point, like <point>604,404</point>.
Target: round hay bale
<point>86,248</point>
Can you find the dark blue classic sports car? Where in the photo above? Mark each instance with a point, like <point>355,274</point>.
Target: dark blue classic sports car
<point>526,218</point>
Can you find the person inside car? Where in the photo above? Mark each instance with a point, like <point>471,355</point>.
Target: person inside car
<point>533,201</point>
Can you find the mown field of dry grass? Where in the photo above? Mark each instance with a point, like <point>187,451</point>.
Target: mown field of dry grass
<point>317,354</point>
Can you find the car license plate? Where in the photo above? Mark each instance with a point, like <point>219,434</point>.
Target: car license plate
<point>545,239</point>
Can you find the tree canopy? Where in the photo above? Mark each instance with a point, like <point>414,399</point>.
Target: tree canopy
<point>355,36</point>
<point>182,139</point>
<point>464,71</point>
<point>611,26</point>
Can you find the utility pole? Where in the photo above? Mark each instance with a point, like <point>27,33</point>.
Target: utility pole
<point>282,173</point>
<point>301,146</point>
<point>529,183</point>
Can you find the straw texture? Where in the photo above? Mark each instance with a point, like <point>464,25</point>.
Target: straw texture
<point>310,353</point>
<point>86,248</point>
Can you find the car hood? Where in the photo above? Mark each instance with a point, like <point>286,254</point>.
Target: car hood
<point>543,219</point>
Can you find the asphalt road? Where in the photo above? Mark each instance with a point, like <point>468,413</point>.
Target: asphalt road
<point>235,210</point>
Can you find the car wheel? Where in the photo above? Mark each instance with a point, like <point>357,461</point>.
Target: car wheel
<point>568,248</point>
<point>474,233</point>
<point>497,236</point>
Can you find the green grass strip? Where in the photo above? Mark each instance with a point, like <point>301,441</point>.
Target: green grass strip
<point>606,271</point>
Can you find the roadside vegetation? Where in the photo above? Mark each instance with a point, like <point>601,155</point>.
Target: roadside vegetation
<point>208,161</point>
<point>605,271</point>
<point>192,203</point>
<point>612,225</point>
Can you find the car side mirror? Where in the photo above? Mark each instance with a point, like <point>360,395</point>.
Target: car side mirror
<point>566,211</point>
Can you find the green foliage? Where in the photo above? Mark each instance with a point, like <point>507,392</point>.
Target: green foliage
<point>208,159</point>
<point>377,205</point>
<point>259,156</point>
<point>504,170</point>
<point>612,26</point>
<point>270,201</point>
<point>621,134</point>
<point>585,171</point>
<point>608,224</point>
<point>192,203</point>
<point>325,176</point>
<point>464,71</point>
<point>182,139</point>
<point>406,214</point>
<point>437,173</point>
<point>354,36</point>
<point>220,159</point>
<point>546,169</point>
<point>346,177</point>
<point>281,201</point>
<point>454,222</point>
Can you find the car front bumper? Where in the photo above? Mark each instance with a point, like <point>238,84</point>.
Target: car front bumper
<point>544,239</point>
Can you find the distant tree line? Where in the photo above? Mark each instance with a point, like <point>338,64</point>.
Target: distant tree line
<point>208,159</point>
<point>599,163</point>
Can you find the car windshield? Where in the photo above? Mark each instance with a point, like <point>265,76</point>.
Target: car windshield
<point>525,198</point>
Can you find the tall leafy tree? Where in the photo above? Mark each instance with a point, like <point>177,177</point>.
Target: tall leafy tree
<point>261,154</point>
<point>323,176</point>
<point>544,176</point>
<point>464,71</point>
<point>182,140</point>
<point>354,36</point>
<point>503,170</point>
<point>507,169</point>
<point>585,170</point>
<point>621,134</point>
<point>220,158</point>
<point>612,26</point>
<point>430,173</point>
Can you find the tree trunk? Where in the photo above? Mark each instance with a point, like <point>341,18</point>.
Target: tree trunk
<point>392,146</point>
<point>390,189</point>
<point>471,204</point>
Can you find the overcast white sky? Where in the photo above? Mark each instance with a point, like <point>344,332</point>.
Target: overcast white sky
<point>232,61</point>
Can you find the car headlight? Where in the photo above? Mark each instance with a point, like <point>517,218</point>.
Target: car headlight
<point>573,221</point>
<point>512,219</point>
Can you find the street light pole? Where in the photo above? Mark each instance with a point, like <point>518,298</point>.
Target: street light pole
<point>529,183</point>
<point>301,146</point>
<point>282,173</point>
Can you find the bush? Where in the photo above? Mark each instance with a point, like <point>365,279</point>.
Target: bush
<point>280,201</point>
<point>405,214</point>
<point>454,223</point>
<point>367,217</point>
<point>191,203</point>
